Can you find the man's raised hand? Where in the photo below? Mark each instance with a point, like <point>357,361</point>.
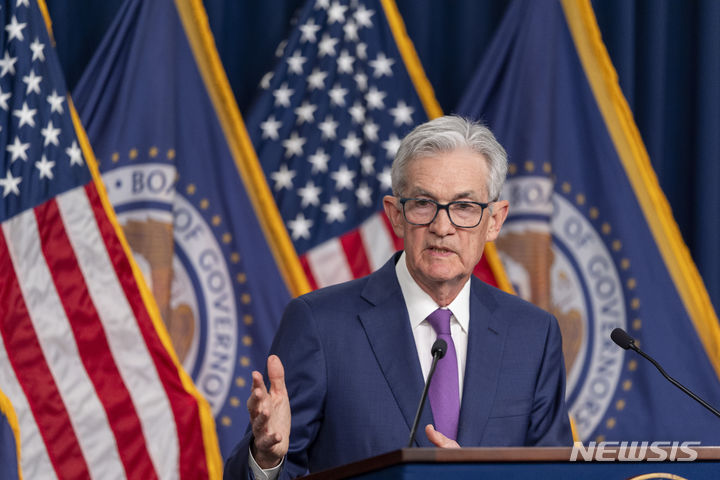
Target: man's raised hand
<point>269,415</point>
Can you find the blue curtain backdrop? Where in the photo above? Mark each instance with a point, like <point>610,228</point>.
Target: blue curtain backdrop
<point>666,53</point>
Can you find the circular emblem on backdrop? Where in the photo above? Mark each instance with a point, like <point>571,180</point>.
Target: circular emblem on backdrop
<point>185,267</point>
<point>557,254</point>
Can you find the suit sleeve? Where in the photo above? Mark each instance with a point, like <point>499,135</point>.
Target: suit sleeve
<point>550,422</point>
<point>298,345</point>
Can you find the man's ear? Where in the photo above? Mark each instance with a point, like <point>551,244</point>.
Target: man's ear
<point>499,214</point>
<point>394,213</point>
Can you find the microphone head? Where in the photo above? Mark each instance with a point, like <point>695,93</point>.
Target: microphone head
<point>439,348</point>
<point>622,339</point>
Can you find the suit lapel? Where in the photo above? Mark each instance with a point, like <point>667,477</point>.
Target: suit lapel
<point>387,327</point>
<point>486,339</point>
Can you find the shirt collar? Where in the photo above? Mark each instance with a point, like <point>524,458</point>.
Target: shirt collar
<point>419,304</point>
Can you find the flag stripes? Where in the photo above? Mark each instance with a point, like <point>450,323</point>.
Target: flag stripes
<point>352,255</point>
<point>27,357</point>
<point>189,453</point>
<point>80,314</point>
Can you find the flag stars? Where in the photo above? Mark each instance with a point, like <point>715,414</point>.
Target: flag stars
<point>7,64</point>
<point>45,166</point>
<point>26,115</point>
<point>385,179</point>
<point>361,51</point>
<point>370,130</point>
<point>14,29</point>
<point>357,112</point>
<point>4,97</point>
<point>375,99</point>
<point>364,195</point>
<point>37,50</point>
<point>283,178</point>
<point>402,114</point>
<point>265,80</point>
<point>319,161</point>
<point>300,227</point>
<point>363,16</point>
<point>18,150</point>
<point>316,80</point>
<point>328,127</point>
<point>33,83</point>
<point>352,145</point>
<point>327,46</point>
<point>336,13</point>
<point>310,194</point>
<point>293,145</point>
<point>351,32</point>
<point>50,134</point>
<point>367,164</point>
<point>334,211</point>
<point>345,62</point>
<point>361,80</point>
<point>282,95</point>
<point>343,178</point>
<point>56,102</point>
<point>305,112</point>
<point>75,154</point>
<point>295,63</point>
<point>309,31</point>
<point>270,128</point>
<point>280,50</point>
<point>10,184</point>
<point>391,145</point>
<point>382,65</point>
<point>337,95</point>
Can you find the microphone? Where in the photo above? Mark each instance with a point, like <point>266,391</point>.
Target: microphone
<point>438,351</point>
<point>625,341</point>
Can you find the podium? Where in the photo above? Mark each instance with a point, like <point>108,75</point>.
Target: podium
<point>524,463</point>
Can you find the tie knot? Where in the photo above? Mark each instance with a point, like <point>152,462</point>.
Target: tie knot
<point>440,321</point>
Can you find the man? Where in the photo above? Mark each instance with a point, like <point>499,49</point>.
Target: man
<point>355,355</point>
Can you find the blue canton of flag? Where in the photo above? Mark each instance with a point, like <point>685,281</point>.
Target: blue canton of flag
<point>42,156</point>
<point>326,128</point>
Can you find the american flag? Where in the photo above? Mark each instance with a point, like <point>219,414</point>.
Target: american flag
<point>347,88</point>
<point>96,391</point>
<point>326,128</point>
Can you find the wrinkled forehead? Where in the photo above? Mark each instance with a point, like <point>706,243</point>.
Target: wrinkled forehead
<point>458,173</point>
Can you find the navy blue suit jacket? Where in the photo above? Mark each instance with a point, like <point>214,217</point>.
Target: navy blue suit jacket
<point>354,379</point>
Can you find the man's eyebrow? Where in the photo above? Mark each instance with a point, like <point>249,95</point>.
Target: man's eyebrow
<point>422,192</point>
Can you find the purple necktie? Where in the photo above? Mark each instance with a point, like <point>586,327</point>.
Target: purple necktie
<point>444,389</point>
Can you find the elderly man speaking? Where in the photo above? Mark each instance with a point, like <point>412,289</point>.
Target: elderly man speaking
<point>348,363</point>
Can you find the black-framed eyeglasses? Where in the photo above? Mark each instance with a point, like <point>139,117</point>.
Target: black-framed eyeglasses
<point>462,214</point>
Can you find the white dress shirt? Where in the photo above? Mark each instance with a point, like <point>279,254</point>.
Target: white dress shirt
<point>419,305</point>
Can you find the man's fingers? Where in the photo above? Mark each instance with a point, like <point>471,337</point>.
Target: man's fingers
<point>439,439</point>
<point>258,395</point>
<point>276,374</point>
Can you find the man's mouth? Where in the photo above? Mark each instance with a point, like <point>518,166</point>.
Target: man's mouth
<point>440,251</point>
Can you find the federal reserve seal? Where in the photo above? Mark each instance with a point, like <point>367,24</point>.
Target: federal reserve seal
<point>556,258</point>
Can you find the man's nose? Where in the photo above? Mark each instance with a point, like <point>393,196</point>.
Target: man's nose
<point>442,225</point>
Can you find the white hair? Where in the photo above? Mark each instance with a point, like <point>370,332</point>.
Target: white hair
<point>446,134</point>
